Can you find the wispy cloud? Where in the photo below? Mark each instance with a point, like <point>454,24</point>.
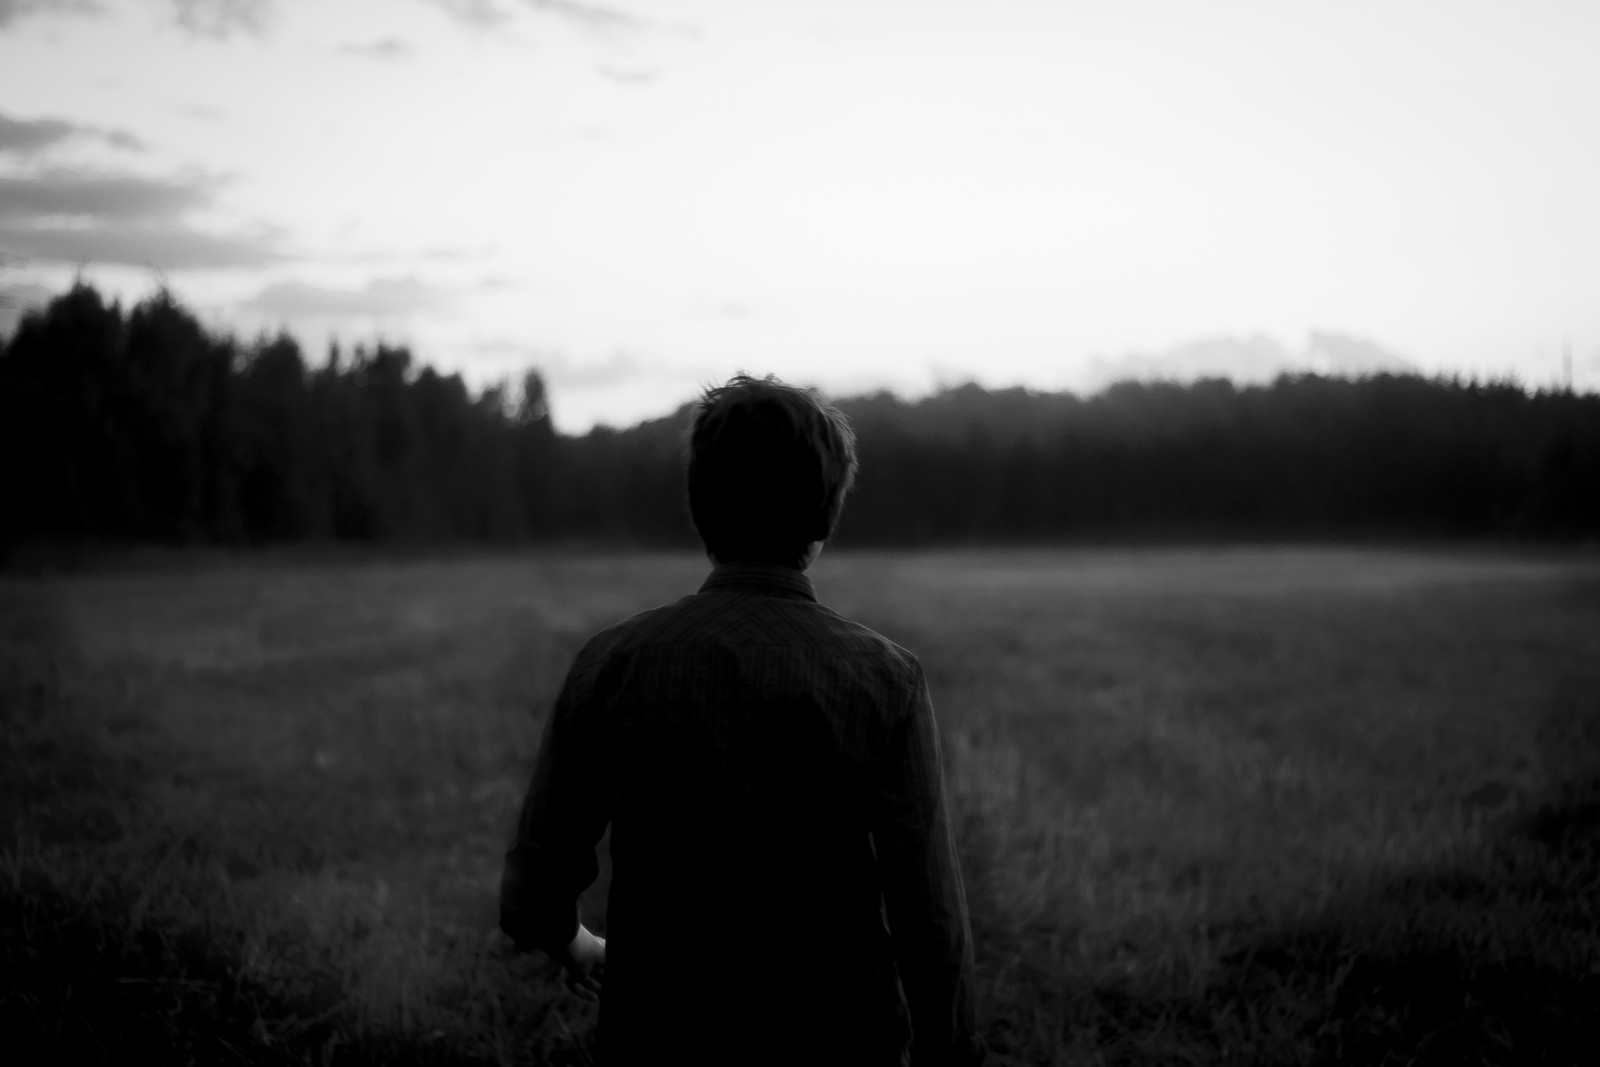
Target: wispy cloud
<point>626,77</point>
<point>220,19</point>
<point>68,216</point>
<point>24,137</point>
<point>1251,360</point>
<point>591,13</point>
<point>387,49</point>
<point>459,253</point>
<point>1333,353</point>
<point>379,297</point>
<point>121,139</point>
<point>16,300</point>
<point>158,245</point>
<point>29,137</point>
<point>96,196</point>
<point>12,10</point>
<point>482,14</point>
<point>490,14</point>
<point>204,18</point>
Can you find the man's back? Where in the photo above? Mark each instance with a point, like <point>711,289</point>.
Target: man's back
<point>770,773</point>
<point>782,866</point>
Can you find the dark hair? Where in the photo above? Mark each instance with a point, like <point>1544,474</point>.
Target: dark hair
<point>769,466</point>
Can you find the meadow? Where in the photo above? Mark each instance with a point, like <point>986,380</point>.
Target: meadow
<point>1232,805</point>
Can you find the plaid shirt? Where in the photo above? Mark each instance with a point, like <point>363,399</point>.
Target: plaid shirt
<point>782,863</point>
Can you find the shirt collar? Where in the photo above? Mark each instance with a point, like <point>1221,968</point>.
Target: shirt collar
<point>767,579</point>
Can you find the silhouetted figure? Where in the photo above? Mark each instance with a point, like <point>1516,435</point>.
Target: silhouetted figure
<point>782,863</point>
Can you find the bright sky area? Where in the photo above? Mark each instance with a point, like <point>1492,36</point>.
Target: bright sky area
<point>642,197</point>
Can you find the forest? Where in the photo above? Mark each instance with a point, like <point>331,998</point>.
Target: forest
<point>143,427</point>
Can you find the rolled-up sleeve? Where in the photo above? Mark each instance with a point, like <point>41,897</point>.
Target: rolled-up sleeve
<point>924,899</point>
<point>552,858</point>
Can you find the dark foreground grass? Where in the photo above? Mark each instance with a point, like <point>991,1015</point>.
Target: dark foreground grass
<point>1214,807</point>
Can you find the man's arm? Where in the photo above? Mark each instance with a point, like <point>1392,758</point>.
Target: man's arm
<point>923,896</point>
<point>552,858</point>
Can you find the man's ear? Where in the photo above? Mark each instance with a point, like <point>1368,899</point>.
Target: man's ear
<point>809,556</point>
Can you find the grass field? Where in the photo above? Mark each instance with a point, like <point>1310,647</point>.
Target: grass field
<point>1215,806</point>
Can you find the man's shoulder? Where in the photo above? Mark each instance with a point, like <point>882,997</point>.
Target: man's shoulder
<point>864,642</point>
<point>639,629</point>
<point>701,619</point>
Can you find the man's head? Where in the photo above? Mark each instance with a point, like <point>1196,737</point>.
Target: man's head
<point>769,466</point>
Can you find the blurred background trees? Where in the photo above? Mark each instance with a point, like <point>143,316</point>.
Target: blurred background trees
<point>141,427</point>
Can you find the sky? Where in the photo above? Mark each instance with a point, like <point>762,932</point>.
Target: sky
<point>640,198</point>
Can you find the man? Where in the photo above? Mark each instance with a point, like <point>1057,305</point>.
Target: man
<point>784,883</point>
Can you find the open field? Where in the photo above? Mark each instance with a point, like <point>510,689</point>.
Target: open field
<point>1215,806</point>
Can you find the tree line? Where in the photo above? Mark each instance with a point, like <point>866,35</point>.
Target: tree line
<point>143,427</point>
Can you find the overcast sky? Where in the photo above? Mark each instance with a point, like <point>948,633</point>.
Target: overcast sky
<point>639,197</point>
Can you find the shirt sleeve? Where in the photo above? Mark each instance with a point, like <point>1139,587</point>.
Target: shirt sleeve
<point>565,811</point>
<point>924,900</point>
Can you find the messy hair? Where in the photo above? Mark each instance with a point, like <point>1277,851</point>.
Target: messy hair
<point>769,465</point>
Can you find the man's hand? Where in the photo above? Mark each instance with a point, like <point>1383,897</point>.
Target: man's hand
<point>584,961</point>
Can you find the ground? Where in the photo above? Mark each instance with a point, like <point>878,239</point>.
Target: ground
<point>1247,805</point>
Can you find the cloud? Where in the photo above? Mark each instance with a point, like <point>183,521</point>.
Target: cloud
<point>626,77</point>
<point>29,137</point>
<point>122,139</point>
<point>573,372</point>
<point>96,196</point>
<point>1252,360</point>
<point>24,295</point>
<point>12,10</point>
<point>25,137</point>
<point>221,19</point>
<point>459,253</point>
<point>590,13</point>
<point>490,14</point>
<point>158,245</point>
<point>483,14</point>
<point>1332,353</point>
<point>379,297</point>
<point>203,18</point>
<point>17,300</point>
<point>602,373</point>
<point>387,49</point>
<point>68,216</point>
